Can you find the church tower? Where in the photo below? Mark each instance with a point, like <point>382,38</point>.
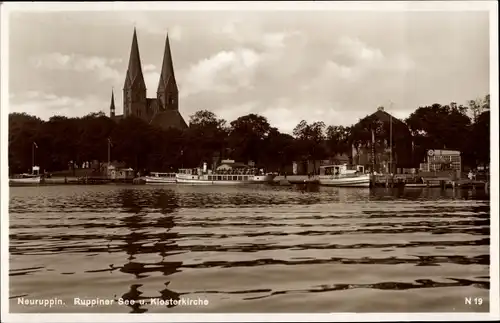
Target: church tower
<point>112,106</point>
<point>168,93</point>
<point>134,89</point>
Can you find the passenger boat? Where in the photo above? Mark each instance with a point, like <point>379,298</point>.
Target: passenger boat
<point>25,179</point>
<point>233,176</point>
<point>160,178</point>
<point>344,176</point>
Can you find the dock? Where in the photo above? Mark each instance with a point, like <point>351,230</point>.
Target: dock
<point>407,181</point>
<point>468,184</point>
<point>84,180</point>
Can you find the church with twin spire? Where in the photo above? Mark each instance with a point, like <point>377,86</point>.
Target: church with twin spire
<point>162,111</point>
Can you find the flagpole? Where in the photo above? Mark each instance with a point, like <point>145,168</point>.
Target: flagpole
<point>373,150</point>
<point>109,152</point>
<point>390,161</point>
<point>32,156</point>
<point>390,139</point>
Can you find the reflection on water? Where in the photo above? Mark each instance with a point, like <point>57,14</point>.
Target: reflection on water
<point>248,249</point>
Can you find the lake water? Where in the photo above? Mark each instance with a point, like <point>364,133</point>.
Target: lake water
<point>247,249</point>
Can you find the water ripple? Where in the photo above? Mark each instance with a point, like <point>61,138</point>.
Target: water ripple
<point>237,246</point>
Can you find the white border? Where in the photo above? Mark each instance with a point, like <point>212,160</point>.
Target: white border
<point>491,6</point>
<point>494,162</point>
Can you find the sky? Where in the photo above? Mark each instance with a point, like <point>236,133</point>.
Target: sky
<point>330,66</point>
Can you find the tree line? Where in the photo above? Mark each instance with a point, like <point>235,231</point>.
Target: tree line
<point>62,140</point>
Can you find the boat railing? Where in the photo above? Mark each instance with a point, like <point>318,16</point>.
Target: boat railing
<point>350,175</point>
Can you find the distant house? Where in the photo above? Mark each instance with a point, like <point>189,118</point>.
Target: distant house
<point>442,162</point>
<point>120,173</point>
<point>378,156</point>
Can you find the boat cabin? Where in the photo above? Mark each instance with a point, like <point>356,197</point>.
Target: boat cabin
<point>217,177</point>
<point>35,171</point>
<point>162,175</point>
<point>220,175</point>
<point>341,170</point>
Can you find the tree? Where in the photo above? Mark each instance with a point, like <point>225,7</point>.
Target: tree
<point>310,139</point>
<point>439,127</point>
<point>278,149</point>
<point>205,137</point>
<point>338,138</point>
<point>480,139</point>
<point>478,106</point>
<point>250,137</point>
<point>133,140</point>
<point>246,136</point>
<point>23,130</point>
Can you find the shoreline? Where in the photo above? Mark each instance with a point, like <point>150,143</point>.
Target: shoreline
<point>289,180</point>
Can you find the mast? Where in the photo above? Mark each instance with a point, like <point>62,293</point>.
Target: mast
<point>373,150</point>
<point>390,140</point>
<point>33,146</point>
<point>109,152</point>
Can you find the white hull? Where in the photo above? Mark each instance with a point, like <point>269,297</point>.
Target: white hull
<point>351,181</point>
<point>25,181</point>
<point>263,178</point>
<point>209,179</point>
<point>159,180</point>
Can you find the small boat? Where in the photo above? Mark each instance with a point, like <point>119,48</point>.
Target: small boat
<point>26,179</point>
<point>160,178</point>
<point>235,176</point>
<point>344,176</point>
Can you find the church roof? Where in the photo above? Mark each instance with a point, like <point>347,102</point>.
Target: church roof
<point>134,71</point>
<point>169,119</point>
<point>167,70</point>
<point>384,116</point>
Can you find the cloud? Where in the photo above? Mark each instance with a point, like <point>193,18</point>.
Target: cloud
<point>322,65</point>
<point>285,114</point>
<point>355,51</point>
<point>175,33</point>
<point>105,68</point>
<point>300,86</point>
<point>225,72</point>
<point>233,112</point>
<point>148,67</point>
<point>151,79</point>
<point>46,105</point>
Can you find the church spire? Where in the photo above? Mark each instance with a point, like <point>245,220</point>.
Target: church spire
<point>167,70</point>
<point>112,105</point>
<point>134,71</point>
